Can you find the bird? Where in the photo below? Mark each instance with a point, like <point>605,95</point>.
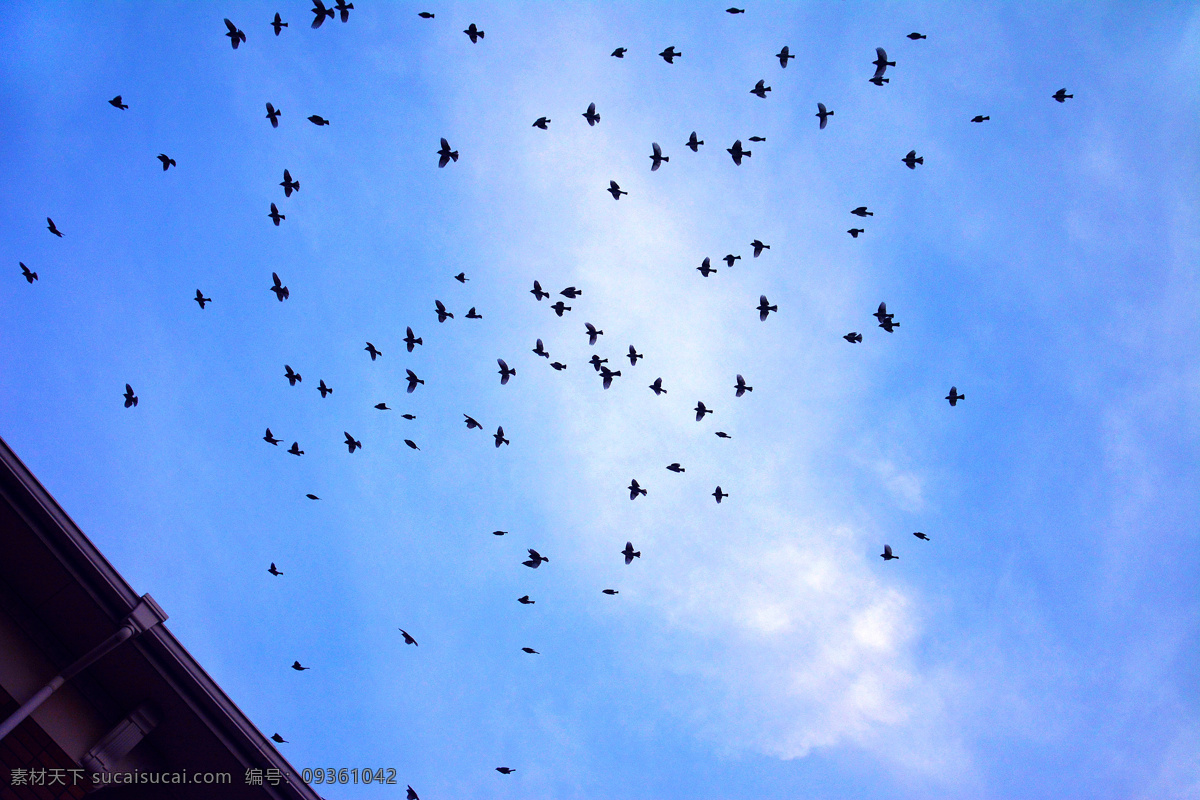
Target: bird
<point>505,770</point>
<point>560,307</point>
<point>412,795</point>
<point>166,160</point>
<point>669,55</point>
<point>920,535</point>
<point>954,396</point>
<point>344,7</point>
<point>537,292</point>
<point>408,639</point>
<point>270,439</point>
<point>853,337</point>
<point>506,371</point>
<point>634,355</point>
<point>854,232</point>
<point>292,376</point>
<point>592,332</point>
<point>723,435</point>
<point>409,416</point>
<point>912,159</point>
<point>1061,95</point>
<point>273,115</point>
<point>116,103</point>
<point>382,406</point>
<point>525,601</point>
<point>657,387</point>
<point>615,190</point>
<point>729,258</point>
<point>312,497</point>
<point>701,410</point>
<point>352,443</point>
<point>499,533</point>
<point>694,143</point>
<point>630,554</point>
<point>720,495</point>
<point>540,350</point>
<point>288,184</point>
<point>295,449</point>
<point>861,211</point>
<point>558,365</point>
<point>411,444</point>
<point>635,489</point>
<point>447,155</point>
<point>620,52</point>
<point>705,267</point>
<point>320,12</point>
<point>318,120</point>
<point>472,315</point>
<point>275,736</point>
<point>735,11</point>
<point>236,36</point>
<point>761,89</point>
<point>763,308</point>
<point>33,276</point>
<point>275,215</point>
<point>741,386</point>
<point>571,292</point>
<point>461,277</point>
<point>879,80</point>
<point>607,375</point>
<point>50,226</point>
<point>271,569</point>
<point>609,591</point>
<point>823,114</point>
<point>442,313</point>
<point>130,398</point>
<point>278,24</point>
<point>881,61</point>
<point>590,115</point>
<point>737,152</point>
<point>531,651</point>
<point>542,122</point>
<point>296,666</point>
<point>886,555</point>
<point>882,314</point>
<point>889,325</point>
<point>596,361</point>
<point>915,36</point>
<point>425,15</point>
<point>413,380</point>
<point>324,390</point>
<point>656,157</point>
<point>759,247</point>
<point>473,33</point>
<point>758,138</point>
<point>472,422</point>
<point>535,559</point>
<point>375,353</point>
<point>979,118</point>
<point>675,467</point>
<point>783,56</point>
<point>199,298</point>
<point>499,436</point>
<point>411,340</point>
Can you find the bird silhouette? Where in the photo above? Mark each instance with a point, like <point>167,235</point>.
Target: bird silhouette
<point>344,8</point>
<point>535,559</point>
<point>320,12</point>
<point>271,569</point>
<point>889,325</point>
<point>116,103</point>
<point>408,639</point>
<point>447,155</point>
<point>635,489</point>
<point>324,390</point>
<point>761,89</point>
<point>472,422</point>
<point>590,115</point>
<point>606,376</point>
<point>741,386</point>
<point>720,495</point>
<point>296,666</point>
<point>412,445</point>
<point>783,56</point>
<point>525,601</point>
<point>669,55</point>
<point>615,190</point>
<point>759,247</point>
<point>130,398</point>
<point>442,313</point>
<point>292,376</point>
<point>412,795</point>
<point>505,770</point>
<point>288,184</point>
<point>879,80</point>
<point>609,591</point>
<point>854,232</point>
<point>912,159</point>
<point>352,443</point>
<point>295,449</point>
<point>979,118</point>
<point>861,211</point>
<point>656,156</point>
<point>558,365</point>
<point>620,52</point>
<point>409,416</point>
<point>630,554</point>
<point>882,314</point>
<point>425,15</point>
<point>33,276</point>
<point>382,406</point>
<point>537,292</point>
<point>236,36</point>
<point>723,435</point>
<point>886,555</point>
<point>763,308</point>
<point>823,114</point>
<point>954,396</point>
<point>915,36</point>
<point>737,152</point>
<point>199,298</point>
<point>166,160</point>
<point>920,535</point>
<point>278,24</point>
<point>50,226</point>
<point>471,314</point>
<point>705,268</point>
<point>735,11</point>
<point>473,33</point>
<point>275,736</point>
<point>1061,95</point>
<point>499,533</point>
<point>540,350</point>
<point>499,436</point>
<point>461,277</point>
<point>657,387</point>
<point>542,122</point>
<point>411,340</point>
<point>634,355</point>
<point>413,380</point>
<point>694,143</point>
<point>269,439</point>
<point>701,410</point>
<point>675,467</point>
<point>318,120</point>
<point>275,215</point>
<point>881,61</point>
<point>560,307</point>
<point>273,113</point>
<point>592,332</point>
<point>596,361</point>
<point>506,372</point>
<point>312,497</point>
<point>375,353</point>
<point>758,138</point>
<point>729,258</point>
<point>853,337</point>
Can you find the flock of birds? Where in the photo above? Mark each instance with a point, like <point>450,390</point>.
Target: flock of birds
<point>446,155</point>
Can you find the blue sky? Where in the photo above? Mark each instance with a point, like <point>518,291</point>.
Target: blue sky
<point>1042,644</point>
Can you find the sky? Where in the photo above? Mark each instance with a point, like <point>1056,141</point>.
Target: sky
<point>1045,641</point>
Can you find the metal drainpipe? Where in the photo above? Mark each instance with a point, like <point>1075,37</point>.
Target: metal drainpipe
<point>144,616</point>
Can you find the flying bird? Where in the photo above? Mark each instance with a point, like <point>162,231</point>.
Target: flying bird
<point>720,495</point>
<point>701,410</point>
<point>447,155</point>
<point>853,337</point>
<point>375,353</point>
<point>271,569</point>
<point>912,159</point>
<point>606,376</point>
<point>116,103</point>
<point>783,56</point>
<point>560,307</point>
<point>915,36</point>
<point>199,298</point>
<point>344,7</point>
<point>615,190</point>
<point>472,315</point>
<point>558,365</point>
<point>275,736</point>
<point>442,313</point>
<point>408,639</point>
<point>620,52</point>
<point>131,399</point>
<point>1061,95</point>
<point>292,376</point>
<point>288,184</point>
<point>759,247</point>
<point>694,143</point>
<point>879,80</point>
<point>382,406</point>
<point>763,308</point>
<point>461,277</point>
<point>881,61</point>
<point>278,24</point>
<point>473,33</point>
<point>542,122</point>
<point>737,152</point>
<point>705,268</point>
<point>409,417</point>
<point>741,386</point>
<point>735,11</point>
<point>609,591</point>
<point>269,439</point>
<point>525,601</point>
<point>861,211</point>
<point>275,215</point>
<point>656,156</point>
<point>954,396</point>
<point>592,332</point>
<point>351,442</point>
<point>669,55</point>
<point>537,292</point>
<point>320,12</point>
<point>723,435</point>
<point>634,355</point>
<point>236,37</point>
<point>295,449</point>
<point>499,533</point>
<point>761,89</point>
<point>296,666</point>
<point>530,650</point>
<point>540,350</point>
<point>571,292</point>
<point>920,535</point>
<point>506,372</point>
<point>324,390</point>
<point>412,795</point>
<point>630,554</point>
<point>505,770</point>
<point>758,138</point>
<point>881,313</point>
<point>51,227</point>
<point>273,113</point>
<point>411,444</point>
<point>33,276</point>
<point>823,114</point>
<point>590,115</point>
<point>318,120</point>
<point>312,497</point>
<point>886,555</point>
<point>535,559</point>
<point>499,436</point>
<point>413,380</point>
<point>657,387</point>
<point>472,422</point>
<point>596,361</point>
<point>889,325</point>
<point>979,118</point>
<point>166,160</point>
<point>675,467</point>
<point>634,490</point>
<point>729,258</point>
<point>411,340</point>
<point>425,15</point>
<point>854,232</point>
